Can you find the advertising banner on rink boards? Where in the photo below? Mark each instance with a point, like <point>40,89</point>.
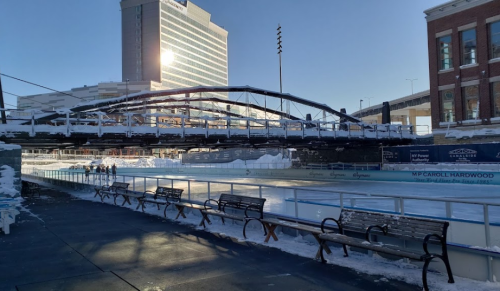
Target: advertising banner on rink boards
<point>451,177</point>
<point>469,153</point>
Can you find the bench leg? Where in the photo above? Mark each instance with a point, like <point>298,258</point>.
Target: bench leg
<point>126,199</point>
<point>165,211</point>
<point>321,246</point>
<point>325,247</point>
<point>139,203</point>
<point>426,266</point>
<point>202,222</point>
<point>205,218</point>
<point>180,210</point>
<point>247,220</point>
<point>270,232</point>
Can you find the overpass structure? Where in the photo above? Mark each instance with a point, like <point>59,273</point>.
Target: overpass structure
<point>404,110</point>
<point>192,118</point>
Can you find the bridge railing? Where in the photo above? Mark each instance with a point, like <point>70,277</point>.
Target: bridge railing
<point>157,124</point>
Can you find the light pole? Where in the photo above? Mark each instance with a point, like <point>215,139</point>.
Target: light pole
<point>360,104</point>
<point>126,93</point>
<point>2,105</point>
<point>279,53</point>
<point>369,103</point>
<point>411,80</point>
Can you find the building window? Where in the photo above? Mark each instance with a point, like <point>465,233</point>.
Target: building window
<point>495,94</point>
<point>469,48</point>
<point>471,98</point>
<point>495,40</point>
<point>448,106</point>
<point>445,57</point>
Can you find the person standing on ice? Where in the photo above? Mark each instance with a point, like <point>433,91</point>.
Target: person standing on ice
<point>87,172</point>
<point>113,171</point>
<point>107,173</point>
<point>98,172</point>
<point>103,170</point>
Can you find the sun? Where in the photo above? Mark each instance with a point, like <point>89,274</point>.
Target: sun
<point>167,57</point>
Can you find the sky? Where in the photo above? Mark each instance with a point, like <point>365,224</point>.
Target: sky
<point>334,52</point>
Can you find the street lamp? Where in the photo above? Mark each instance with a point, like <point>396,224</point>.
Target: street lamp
<point>360,104</point>
<point>126,93</point>
<point>411,80</point>
<point>369,103</point>
<point>279,53</point>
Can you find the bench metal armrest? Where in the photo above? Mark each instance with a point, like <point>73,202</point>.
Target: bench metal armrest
<point>439,237</point>
<point>103,188</point>
<point>149,192</point>
<point>120,191</point>
<point>334,220</point>
<point>252,207</point>
<point>207,202</point>
<point>383,228</point>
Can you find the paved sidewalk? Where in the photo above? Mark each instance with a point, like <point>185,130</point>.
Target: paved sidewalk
<point>81,245</point>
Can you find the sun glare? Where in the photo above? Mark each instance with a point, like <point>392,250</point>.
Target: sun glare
<point>167,57</point>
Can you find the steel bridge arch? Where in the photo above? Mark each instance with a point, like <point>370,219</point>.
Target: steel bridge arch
<point>154,100</point>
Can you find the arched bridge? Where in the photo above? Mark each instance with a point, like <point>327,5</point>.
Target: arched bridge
<point>195,117</point>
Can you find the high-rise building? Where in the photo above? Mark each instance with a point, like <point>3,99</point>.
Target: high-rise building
<point>173,43</point>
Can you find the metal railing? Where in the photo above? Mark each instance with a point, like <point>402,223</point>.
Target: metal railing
<point>486,213</point>
<point>130,124</point>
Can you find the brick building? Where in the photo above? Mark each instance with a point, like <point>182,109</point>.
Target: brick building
<point>464,70</point>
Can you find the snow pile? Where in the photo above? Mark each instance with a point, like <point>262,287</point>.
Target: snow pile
<point>145,163</point>
<point>163,163</point>
<point>8,147</point>
<point>277,162</point>
<point>265,162</point>
<point>140,163</point>
<point>483,132</point>
<point>120,163</point>
<point>7,179</point>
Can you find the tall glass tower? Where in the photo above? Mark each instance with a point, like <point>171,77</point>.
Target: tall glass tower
<point>173,43</point>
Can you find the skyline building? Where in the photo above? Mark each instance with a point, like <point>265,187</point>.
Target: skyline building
<point>165,45</point>
<point>173,43</point>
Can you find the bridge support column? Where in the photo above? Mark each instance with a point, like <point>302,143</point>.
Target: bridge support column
<point>412,116</point>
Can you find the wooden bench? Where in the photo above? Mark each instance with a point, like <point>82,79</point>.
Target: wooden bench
<point>240,207</point>
<point>200,207</point>
<point>301,225</point>
<point>116,189</point>
<point>29,189</point>
<point>405,228</point>
<point>162,196</point>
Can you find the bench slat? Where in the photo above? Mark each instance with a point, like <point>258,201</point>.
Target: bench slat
<point>398,226</point>
<point>361,243</point>
<point>224,214</point>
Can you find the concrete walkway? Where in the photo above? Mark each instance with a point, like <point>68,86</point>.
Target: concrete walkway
<point>75,244</point>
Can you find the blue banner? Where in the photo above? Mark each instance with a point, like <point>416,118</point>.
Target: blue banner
<point>466,153</point>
